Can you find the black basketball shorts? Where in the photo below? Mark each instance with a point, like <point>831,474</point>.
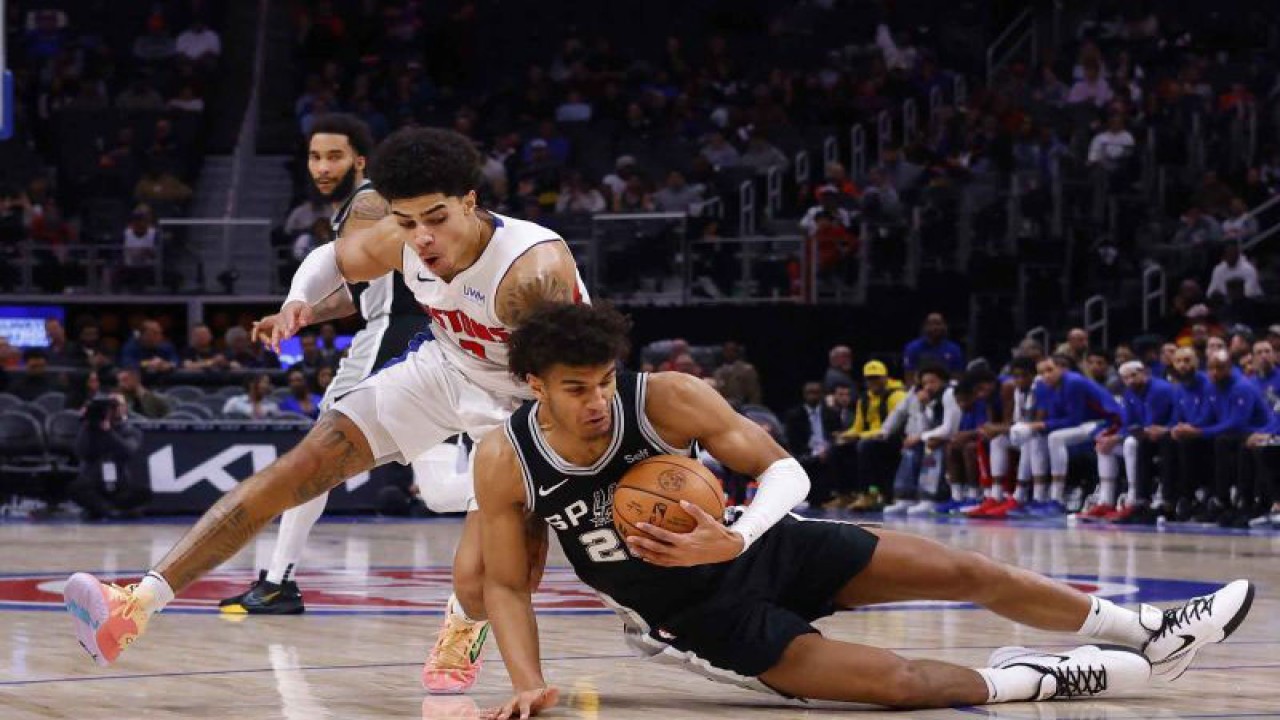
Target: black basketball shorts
<point>767,597</point>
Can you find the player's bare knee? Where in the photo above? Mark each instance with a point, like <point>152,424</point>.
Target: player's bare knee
<point>974,576</point>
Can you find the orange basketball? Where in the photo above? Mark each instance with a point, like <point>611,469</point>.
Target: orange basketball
<point>652,490</point>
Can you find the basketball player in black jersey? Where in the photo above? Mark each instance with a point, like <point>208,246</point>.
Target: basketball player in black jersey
<point>337,149</point>
<point>735,603</point>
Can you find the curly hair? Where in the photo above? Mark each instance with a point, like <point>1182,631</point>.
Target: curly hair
<point>413,162</point>
<point>568,334</point>
<point>350,126</point>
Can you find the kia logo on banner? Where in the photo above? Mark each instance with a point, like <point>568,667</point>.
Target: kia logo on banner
<point>190,467</point>
<point>164,478</point>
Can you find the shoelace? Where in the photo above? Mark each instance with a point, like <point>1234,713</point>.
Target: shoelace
<point>1082,682</point>
<point>451,648</point>
<point>1174,619</point>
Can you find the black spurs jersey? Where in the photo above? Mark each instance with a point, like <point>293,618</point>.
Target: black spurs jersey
<point>387,295</point>
<point>577,502</point>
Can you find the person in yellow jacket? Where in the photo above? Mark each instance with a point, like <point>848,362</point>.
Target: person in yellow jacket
<point>865,451</point>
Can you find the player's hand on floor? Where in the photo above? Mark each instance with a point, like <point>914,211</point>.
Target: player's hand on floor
<point>525,704</point>
<point>710,542</point>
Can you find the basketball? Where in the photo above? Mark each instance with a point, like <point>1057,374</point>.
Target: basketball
<point>652,490</point>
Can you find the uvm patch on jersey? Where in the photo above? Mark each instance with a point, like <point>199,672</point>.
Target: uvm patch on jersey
<point>424,591</point>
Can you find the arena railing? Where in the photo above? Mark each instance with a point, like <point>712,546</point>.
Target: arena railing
<point>1153,289</point>
<point>1018,33</point>
<point>1097,318</point>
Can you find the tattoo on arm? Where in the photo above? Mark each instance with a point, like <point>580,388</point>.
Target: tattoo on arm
<point>337,305</point>
<point>530,292</point>
<point>369,206</point>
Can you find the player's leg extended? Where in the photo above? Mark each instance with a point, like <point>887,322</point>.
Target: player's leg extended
<point>909,567</point>
<point>816,667</point>
<point>109,618</point>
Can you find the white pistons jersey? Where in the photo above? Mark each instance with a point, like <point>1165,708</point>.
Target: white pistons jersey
<point>1024,403</point>
<point>464,316</point>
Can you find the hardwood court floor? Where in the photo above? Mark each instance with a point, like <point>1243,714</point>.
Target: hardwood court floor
<point>375,589</point>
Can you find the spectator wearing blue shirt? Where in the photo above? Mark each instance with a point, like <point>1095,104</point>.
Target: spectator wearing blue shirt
<point>1265,374</point>
<point>1264,469</point>
<point>300,398</point>
<point>932,346</point>
<point>1149,405</point>
<point>1235,410</point>
<point>1183,463</point>
<point>149,351</point>
<point>1073,411</point>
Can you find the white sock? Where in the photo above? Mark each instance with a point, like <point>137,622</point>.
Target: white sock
<point>972,493</point>
<point>154,592</point>
<point>1110,622</point>
<point>1058,490</point>
<point>996,491</point>
<point>295,526</point>
<point>1107,491</point>
<point>1017,684</point>
<point>454,608</point>
<point>1131,497</point>
<point>1042,491</point>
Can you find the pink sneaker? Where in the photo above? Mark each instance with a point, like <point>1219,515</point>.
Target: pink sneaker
<point>449,708</point>
<point>454,663</point>
<point>108,618</point>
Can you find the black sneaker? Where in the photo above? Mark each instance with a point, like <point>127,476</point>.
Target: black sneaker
<point>236,600</point>
<point>268,598</point>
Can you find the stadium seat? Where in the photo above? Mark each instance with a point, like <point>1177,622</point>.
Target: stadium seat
<point>184,393</point>
<point>52,402</point>
<point>24,463</point>
<point>199,410</point>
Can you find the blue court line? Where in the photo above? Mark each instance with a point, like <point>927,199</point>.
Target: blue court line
<point>247,671</point>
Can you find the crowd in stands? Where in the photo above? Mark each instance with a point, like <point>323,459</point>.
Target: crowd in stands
<point>205,380</point>
<point>1181,430</point>
<point>109,123</point>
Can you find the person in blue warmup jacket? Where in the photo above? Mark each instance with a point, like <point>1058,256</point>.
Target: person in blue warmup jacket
<point>1184,464</point>
<point>1073,410</point>
<point>1235,410</point>
<point>1149,406</point>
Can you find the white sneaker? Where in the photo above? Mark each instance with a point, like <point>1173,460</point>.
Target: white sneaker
<point>1179,632</point>
<point>899,507</point>
<point>924,507</point>
<point>1089,671</point>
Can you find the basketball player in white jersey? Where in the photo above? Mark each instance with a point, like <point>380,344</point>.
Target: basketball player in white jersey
<point>478,274</point>
<point>337,152</point>
<point>1033,460</point>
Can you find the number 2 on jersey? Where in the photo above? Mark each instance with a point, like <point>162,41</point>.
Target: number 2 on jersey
<point>603,545</point>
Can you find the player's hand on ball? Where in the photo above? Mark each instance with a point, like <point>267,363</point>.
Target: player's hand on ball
<point>525,704</point>
<point>710,542</point>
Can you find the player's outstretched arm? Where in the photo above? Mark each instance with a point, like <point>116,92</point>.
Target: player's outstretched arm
<point>507,590</point>
<point>270,330</point>
<point>684,409</point>
<point>544,273</point>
